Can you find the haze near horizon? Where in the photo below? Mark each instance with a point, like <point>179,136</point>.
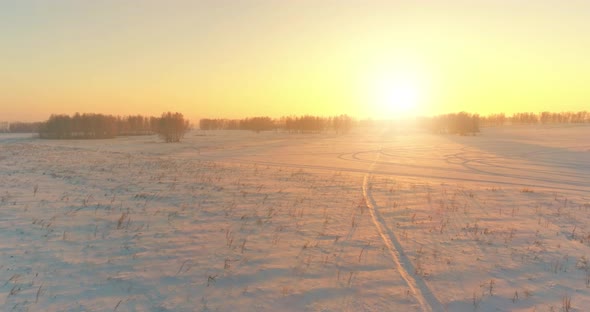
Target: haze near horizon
<point>375,59</point>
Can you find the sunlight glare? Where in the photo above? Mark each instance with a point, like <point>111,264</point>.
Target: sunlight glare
<point>397,96</point>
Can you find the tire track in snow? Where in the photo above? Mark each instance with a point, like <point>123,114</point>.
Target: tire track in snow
<point>426,299</point>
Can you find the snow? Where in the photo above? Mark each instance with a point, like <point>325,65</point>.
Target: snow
<point>375,220</point>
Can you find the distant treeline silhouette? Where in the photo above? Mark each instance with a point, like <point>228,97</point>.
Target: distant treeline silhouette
<point>536,118</point>
<point>464,123</point>
<point>170,126</point>
<point>22,127</point>
<point>458,123</point>
<point>96,126</point>
<point>292,124</point>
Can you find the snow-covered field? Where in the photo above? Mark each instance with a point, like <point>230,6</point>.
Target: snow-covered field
<point>392,220</point>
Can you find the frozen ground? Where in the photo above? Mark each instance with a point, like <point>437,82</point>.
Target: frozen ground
<point>391,220</point>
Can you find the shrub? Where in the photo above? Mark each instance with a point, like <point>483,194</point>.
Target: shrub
<point>172,127</point>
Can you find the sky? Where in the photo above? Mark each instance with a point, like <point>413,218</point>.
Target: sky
<point>230,59</point>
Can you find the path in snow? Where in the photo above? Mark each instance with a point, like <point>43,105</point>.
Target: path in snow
<point>419,289</point>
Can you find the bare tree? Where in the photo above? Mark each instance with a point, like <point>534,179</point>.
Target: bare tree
<point>172,127</point>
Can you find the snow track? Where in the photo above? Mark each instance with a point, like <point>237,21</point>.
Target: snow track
<point>424,296</point>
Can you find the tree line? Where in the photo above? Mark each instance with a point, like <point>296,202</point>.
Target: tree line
<point>457,123</point>
<point>465,123</point>
<point>536,118</point>
<point>291,124</point>
<point>21,127</point>
<point>170,126</point>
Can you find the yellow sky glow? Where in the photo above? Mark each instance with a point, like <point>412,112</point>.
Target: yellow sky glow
<point>228,59</point>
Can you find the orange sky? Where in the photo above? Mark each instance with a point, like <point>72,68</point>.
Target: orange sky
<point>375,59</point>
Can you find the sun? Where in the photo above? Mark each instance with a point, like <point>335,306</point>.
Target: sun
<point>397,89</point>
<point>396,97</point>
